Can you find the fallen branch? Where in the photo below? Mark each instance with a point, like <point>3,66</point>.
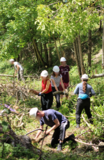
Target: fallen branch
<point>97,75</point>
<point>86,122</point>
<point>89,144</point>
<point>6,75</point>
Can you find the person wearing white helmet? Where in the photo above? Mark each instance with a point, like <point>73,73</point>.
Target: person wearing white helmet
<point>56,79</point>
<point>58,122</point>
<point>46,91</point>
<point>18,69</point>
<point>64,71</point>
<point>84,91</point>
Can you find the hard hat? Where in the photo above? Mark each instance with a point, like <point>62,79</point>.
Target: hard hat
<point>11,60</point>
<point>44,73</point>
<point>33,112</point>
<point>84,76</point>
<point>62,59</point>
<point>56,69</point>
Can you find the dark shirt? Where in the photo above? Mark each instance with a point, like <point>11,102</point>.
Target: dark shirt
<point>64,71</point>
<point>50,116</point>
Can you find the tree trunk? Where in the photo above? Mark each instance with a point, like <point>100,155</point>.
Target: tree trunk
<point>89,49</point>
<point>41,49</point>
<point>56,48</point>
<point>49,53</point>
<point>81,56</point>
<point>76,56</point>
<point>11,138</point>
<point>46,52</point>
<point>63,53</point>
<point>39,58</point>
<point>103,47</point>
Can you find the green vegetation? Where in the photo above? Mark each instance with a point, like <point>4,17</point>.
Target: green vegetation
<point>37,34</point>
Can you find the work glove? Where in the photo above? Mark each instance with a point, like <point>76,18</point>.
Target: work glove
<point>39,94</point>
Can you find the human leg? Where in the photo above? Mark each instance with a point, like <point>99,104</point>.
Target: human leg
<point>87,110</point>
<point>63,128</point>
<point>79,109</point>
<point>18,75</point>
<point>22,75</point>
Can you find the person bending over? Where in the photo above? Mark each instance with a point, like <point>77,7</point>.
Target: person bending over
<point>18,69</point>
<point>84,91</point>
<point>56,121</point>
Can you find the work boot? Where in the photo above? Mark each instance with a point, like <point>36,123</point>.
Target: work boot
<point>78,126</point>
<point>71,137</point>
<point>59,147</point>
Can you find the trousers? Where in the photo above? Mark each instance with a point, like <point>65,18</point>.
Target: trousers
<point>82,104</point>
<point>46,101</point>
<point>57,96</point>
<point>59,133</point>
<point>20,75</point>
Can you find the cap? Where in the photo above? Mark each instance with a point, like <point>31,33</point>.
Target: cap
<point>62,59</point>
<point>44,73</point>
<point>33,112</point>
<point>56,69</point>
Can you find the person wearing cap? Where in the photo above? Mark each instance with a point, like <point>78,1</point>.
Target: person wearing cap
<point>18,69</point>
<point>56,79</point>
<point>84,91</point>
<point>56,121</point>
<point>64,71</point>
<point>46,91</point>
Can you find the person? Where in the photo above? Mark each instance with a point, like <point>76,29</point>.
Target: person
<point>18,69</point>
<point>46,91</point>
<point>84,91</point>
<point>56,121</point>
<point>64,71</point>
<point>56,79</point>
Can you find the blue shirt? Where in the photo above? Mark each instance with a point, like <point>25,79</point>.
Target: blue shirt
<point>79,89</point>
<point>50,116</point>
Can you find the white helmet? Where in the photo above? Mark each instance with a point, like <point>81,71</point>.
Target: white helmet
<point>62,59</point>
<point>84,76</point>
<point>33,112</point>
<point>11,60</point>
<point>56,69</point>
<point>44,73</point>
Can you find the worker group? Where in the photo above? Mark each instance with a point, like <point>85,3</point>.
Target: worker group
<point>59,81</point>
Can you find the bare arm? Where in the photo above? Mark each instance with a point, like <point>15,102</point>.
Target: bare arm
<point>62,84</point>
<point>41,89</point>
<point>54,84</point>
<point>47,87</point>
<point>39,132</point>
<point>57,123</point>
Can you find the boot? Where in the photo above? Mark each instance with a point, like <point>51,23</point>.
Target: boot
<point>59,147</point>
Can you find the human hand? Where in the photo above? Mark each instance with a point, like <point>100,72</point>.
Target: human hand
<point>40,94</point>
<point>34,140</point>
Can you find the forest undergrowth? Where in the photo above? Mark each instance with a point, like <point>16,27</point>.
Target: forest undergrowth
<point>88,133</point>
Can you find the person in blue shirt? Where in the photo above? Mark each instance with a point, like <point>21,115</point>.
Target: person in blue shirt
<point>84,91</point>
<point>56,121</point>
